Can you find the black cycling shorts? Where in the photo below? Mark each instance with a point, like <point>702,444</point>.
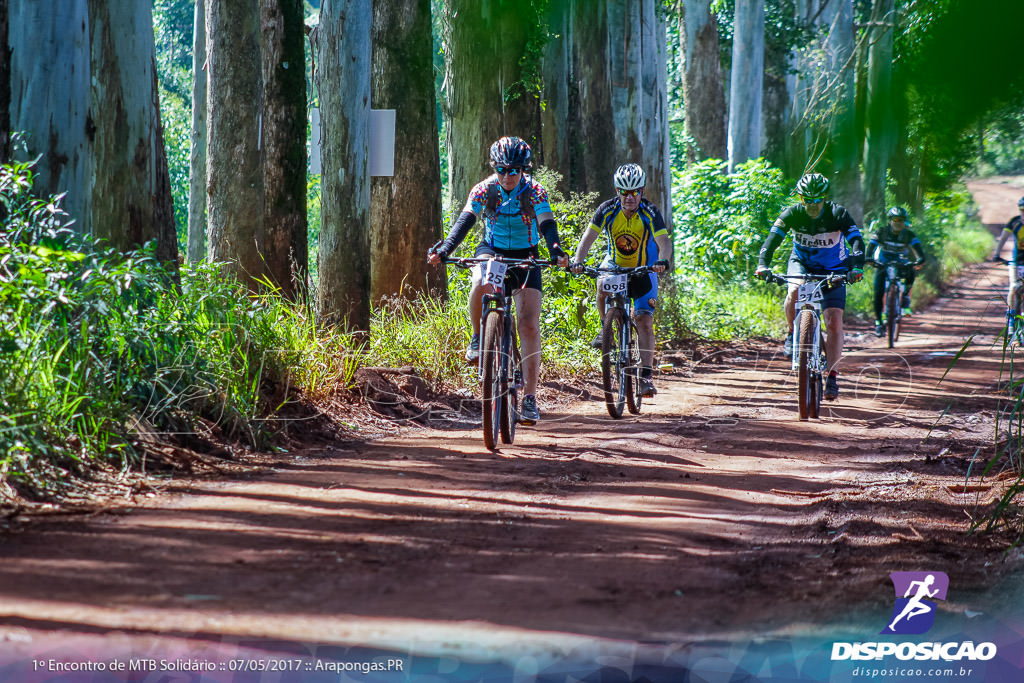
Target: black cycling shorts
<point>514,277</point>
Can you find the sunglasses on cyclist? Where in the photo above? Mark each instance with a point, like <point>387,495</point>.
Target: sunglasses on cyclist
<point>809,200</point>
<point>507,170</point>
<point>630,193</point>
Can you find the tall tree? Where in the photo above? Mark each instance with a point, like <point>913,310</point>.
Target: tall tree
<point>131,192</point>
<point>50,45</point>
<point>654,118</point>
<point>746,83</point>
<point>405,209</point>
<point>492,52</point>
<point>703,92</point>
<point>556,128</point>
<point>234,166</point>
<point>344,87</point>
<point>5,89</point>
<point>283,139</point>
<point>196,249</point>
<point>595,158</point>
<point>881,123</point>
<point>844,138</point>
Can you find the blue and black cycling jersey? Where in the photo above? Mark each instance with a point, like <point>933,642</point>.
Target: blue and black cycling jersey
<point>888,243</point>
<point>820,244</point>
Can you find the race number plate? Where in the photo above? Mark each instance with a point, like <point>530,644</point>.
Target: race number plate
<point>613,284</point>
<point>493,273</point>
<point>809,292</point>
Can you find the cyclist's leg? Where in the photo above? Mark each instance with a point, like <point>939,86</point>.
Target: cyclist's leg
<point>793,268</point>
<point>643,315</point>
<point>833,319</point>
<point>1011,269</point>
<point>477,291</point>
<point>879,292</point>
<point>528,306</point>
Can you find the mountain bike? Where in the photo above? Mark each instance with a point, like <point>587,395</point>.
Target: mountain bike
<point>620,349</point>
<point>1014,329</point>
<point>809,360</point>
<point>500,364</point>
<point>895,269</point>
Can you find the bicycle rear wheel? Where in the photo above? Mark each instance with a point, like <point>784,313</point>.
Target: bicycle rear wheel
<point>634,398</point>
<point>892,313</point>
<point>805,374</point>
<point>612,366</point>
<point>490,359</point>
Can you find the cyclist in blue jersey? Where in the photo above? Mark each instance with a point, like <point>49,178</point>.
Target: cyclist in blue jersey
<point>516,214</point>
<point>1012,229</point>
<point>821,231</point>
<point>892,240</point>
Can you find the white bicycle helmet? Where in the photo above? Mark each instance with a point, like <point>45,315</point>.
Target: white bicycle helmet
<point>630,177</point>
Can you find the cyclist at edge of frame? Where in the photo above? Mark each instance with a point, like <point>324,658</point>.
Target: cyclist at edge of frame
<point>516,214</point>
<point>892,240</point>
<point>821,231</point>
<point>1012,228</point>
<point>637,236</point>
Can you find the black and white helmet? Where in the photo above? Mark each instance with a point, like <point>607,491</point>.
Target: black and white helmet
<point>630,177</point>
<point>898,212</point>
<point>511,151</point>
<point>812,186</point>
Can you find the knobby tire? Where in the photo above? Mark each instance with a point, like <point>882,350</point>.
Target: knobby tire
<point>805,375</point>
<point>510,393</point>
<point>490,358</point>
<point>611,362</point>
<point>892,313</point>
<point>634,399</point>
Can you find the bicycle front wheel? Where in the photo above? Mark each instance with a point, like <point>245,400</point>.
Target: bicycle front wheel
<point>805,359</point>
<point>892,313</point>
<point>612,362</point>
<point>509,391</point>
<point>490,360</point>
<point>631,351</point>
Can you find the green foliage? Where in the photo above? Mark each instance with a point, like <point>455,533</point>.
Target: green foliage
<point>722,219</point>
<point>98,346</point>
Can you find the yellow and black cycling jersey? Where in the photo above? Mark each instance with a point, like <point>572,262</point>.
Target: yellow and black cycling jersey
<point>1014,228</point>
<point>630,240</point>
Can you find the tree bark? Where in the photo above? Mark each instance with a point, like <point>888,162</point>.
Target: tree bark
<point>841,69</point>
<point>50,45</point>
<point>703,92</point>
<point>881,123</point>
<point>286,245</point>
<point>344,86</point>
<point>654,118</point>
<point>405,209</point>
<point>597,156</point>
<point>557,65</point>
<point>5,90</point>
<point>234,166</point>
<point>128,183</point>
<point>196,249</point>
<point>484,83</point>
<point>746,83</point>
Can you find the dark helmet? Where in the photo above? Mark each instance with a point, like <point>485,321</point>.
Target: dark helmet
<point>898,212</point>
<point>812,185</point>
<point>1020,203</point>
<point>511,151</point>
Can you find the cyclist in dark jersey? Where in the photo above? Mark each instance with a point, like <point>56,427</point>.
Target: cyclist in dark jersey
<point>894,239</point>
<point>516,215</point>
<point>821,231</point>
<point>1012,229</point>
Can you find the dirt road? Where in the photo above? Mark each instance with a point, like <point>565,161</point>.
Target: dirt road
<point>715,514</point>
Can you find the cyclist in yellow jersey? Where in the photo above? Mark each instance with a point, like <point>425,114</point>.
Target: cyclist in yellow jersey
<point>637,236</point>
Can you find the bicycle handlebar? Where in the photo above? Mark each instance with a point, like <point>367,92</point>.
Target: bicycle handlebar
<point>525,263</point>
<point>614,270</point>
<point>832,280</point>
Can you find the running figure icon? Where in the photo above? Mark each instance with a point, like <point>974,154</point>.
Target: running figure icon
<point>914,612</point>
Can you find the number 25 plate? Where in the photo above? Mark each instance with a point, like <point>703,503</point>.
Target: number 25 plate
<point>493,273</point>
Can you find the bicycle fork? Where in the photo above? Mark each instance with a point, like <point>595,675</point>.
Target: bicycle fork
<point>817,363</point>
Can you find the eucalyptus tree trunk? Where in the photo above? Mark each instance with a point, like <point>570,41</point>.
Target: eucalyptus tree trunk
<point>653,123</point>
<point>597,157</point>
<point>746,82</point>
<point>344,86</point>
<point>800,85</point>
<point>881,123</point>
<point>283,139</point>
<point>841,69</point>
<point>775,111</point>
<point>556,126</point>
<point>405,209</point>
<point>703,91</point>
<point>5,91</point>
<point>486,97</point>
<point>50,46</point>
<point>234,164</point>
<point>131,199</point>
<point>196,248</point>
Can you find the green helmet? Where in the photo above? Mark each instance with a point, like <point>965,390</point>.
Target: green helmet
<point>898,212</point>
<point>812,185</point>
